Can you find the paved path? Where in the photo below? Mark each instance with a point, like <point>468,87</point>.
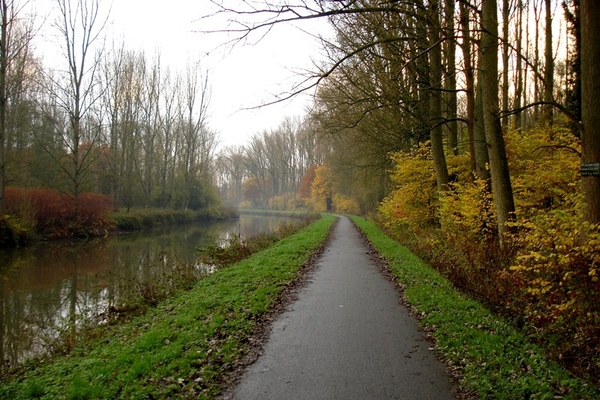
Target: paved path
<point>346,337</point>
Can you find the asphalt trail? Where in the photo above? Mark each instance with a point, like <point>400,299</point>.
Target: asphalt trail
<point>346,337</point>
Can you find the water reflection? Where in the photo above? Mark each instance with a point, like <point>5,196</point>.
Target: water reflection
<point>47,288</point>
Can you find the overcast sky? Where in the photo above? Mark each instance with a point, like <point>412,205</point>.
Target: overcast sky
<point>241,77</point>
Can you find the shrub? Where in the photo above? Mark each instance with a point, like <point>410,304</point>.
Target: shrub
<point>557,273</point>
<point>55,214</point>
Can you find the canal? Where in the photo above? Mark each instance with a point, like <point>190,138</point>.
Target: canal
<point>45,286</point>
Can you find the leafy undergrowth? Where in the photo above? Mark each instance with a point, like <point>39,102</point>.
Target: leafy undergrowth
<point>186,345</point>
<point>494,360</point>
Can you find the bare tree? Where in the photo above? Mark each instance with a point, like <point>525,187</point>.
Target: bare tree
<point>15,39</point>
<point>80,24</point>
<point>198,141</point>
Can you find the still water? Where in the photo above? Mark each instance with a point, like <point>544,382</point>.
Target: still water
<point>46,286</point>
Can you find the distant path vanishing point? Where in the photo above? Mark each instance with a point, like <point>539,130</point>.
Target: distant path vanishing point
<point>346,337</point>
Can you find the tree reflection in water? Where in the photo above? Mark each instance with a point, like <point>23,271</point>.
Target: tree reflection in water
<point>47,290</point>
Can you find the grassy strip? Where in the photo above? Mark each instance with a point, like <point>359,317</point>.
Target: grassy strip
<point>183,347</point>
<point>494,360</point>
<point>139,218</point>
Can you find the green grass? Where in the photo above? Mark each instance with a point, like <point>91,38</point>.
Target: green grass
<point>495,360</point>
<point>183,347</point>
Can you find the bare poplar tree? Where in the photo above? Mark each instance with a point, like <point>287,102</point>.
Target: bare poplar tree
<point>198,141</point>
<point>80,24</point>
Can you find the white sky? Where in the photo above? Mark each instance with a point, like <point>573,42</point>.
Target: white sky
<point>243,77</point>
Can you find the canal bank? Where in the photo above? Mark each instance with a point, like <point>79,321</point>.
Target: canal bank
<point>184,346</point>
<point>193,345</point>
<point>48,287</point>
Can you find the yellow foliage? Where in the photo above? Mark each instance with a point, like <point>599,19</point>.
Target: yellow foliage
<point>467,212</point>
<point>547,271</point>
<point>322,185</point>
<point>413,200</point>
<point>544,171</point>
<point>345,205</point>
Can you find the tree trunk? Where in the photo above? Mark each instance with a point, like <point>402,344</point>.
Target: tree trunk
<point>505,59</point>
<point>501,185</point>
<point>590,96</point>
<point>437,142</point>
<point>482,158</point>
<point>536,61</point>
<point>469,82</point>
<point>3,100</point>
<point>549,69</point>
<point>518,68</point>
<point>451,78</point>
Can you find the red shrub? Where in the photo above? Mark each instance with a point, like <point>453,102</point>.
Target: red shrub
<point>55,214</point>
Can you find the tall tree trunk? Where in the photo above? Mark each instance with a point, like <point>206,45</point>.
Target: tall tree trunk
<point>482,158</point>
<point>501,185</point>
<point>450,82</point>
<point>549,68</point>
<point>435,58</point>
<point>469,81</point>
<point>590,96</point>
<point>3,98</point>
<point>573,80</point>
<point>536,61</point>
<point>505,59</point>
<point>525,80</point>
<point>518,66</point>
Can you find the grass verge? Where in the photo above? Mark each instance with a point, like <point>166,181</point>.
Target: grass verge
<point>494,360</point>
<point>186,345</point>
